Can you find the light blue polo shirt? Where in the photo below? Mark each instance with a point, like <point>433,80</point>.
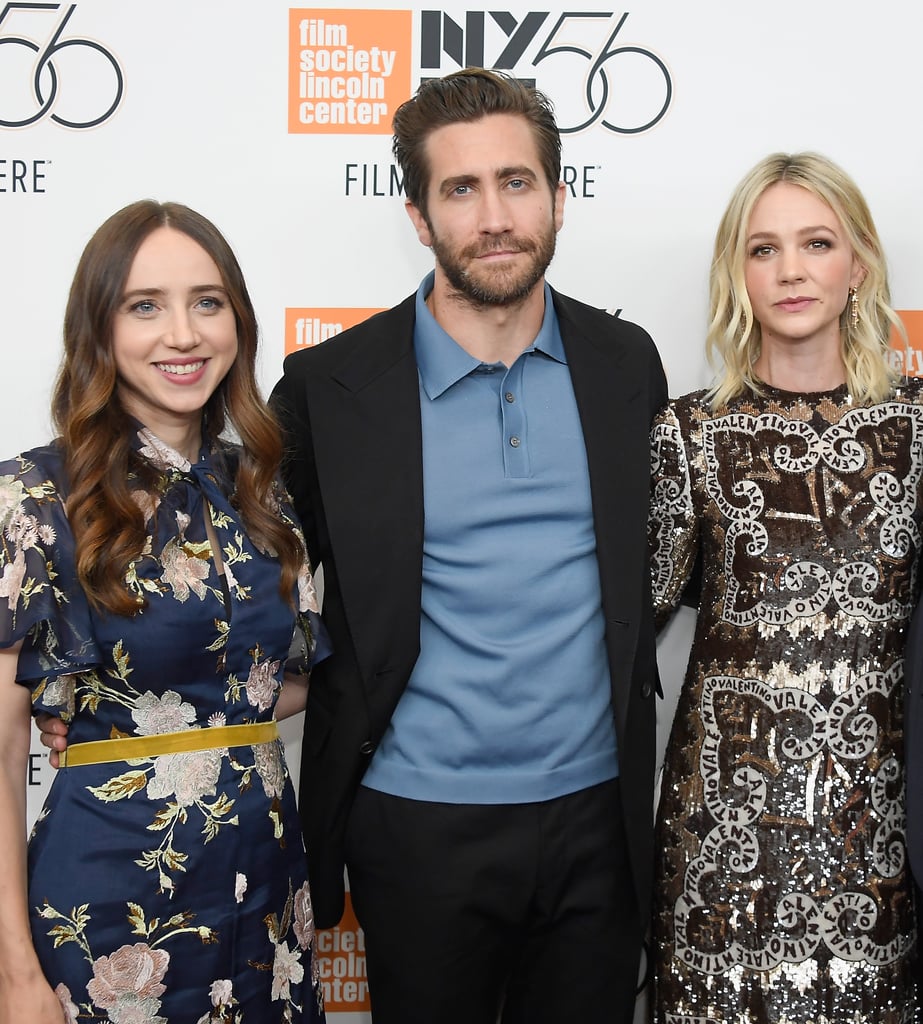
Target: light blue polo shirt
<point>509,701</point>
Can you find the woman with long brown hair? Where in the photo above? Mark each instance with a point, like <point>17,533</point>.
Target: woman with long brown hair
<point>152,577</point>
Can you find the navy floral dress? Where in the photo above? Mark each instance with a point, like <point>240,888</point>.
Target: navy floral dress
<point>166,889</point>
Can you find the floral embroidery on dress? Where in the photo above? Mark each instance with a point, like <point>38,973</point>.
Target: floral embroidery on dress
<point>21,532</point>
<point>127,982</point>
<point>287,964</point>
<point>161,887</point>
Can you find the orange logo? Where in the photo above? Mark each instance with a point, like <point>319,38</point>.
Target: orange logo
<point>340,955</point>
<point>348,71</point>
<point>305,327</point>
<point>909,360</point>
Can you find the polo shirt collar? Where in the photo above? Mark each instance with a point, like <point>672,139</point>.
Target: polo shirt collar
<point>442,362</point>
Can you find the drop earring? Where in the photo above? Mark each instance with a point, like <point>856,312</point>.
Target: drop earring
<point>853,307</point>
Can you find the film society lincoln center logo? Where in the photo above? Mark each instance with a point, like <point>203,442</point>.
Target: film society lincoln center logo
<point>349,70</point>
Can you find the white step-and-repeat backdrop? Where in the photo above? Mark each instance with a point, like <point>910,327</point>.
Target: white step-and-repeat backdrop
<point>274,121</point>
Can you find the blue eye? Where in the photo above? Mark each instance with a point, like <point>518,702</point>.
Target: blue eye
<point>144,306</point>
<point>211,303</point>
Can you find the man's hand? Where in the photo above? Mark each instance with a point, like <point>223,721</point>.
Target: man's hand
<point>53,733</point>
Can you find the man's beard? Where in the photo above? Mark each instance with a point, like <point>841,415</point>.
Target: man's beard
<point>495,284</point>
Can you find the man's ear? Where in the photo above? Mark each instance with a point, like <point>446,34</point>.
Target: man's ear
<point>560,193</point>
<point>419,223</point>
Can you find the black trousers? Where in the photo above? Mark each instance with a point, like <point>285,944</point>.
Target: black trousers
<point>473,913</point>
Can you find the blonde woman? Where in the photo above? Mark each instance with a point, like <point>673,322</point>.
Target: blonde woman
<point>783,889</point>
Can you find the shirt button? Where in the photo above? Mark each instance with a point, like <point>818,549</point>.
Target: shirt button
<point>509,396</point>
<point>514,441</point>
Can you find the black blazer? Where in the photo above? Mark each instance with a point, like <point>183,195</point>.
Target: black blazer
<point>913,741</point>
<point>351,411</point>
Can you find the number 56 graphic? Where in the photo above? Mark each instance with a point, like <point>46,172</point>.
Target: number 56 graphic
<point>86,65</point>
<point>601,83</point>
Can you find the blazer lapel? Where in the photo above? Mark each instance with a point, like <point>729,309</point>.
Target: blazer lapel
<point>365,415</point>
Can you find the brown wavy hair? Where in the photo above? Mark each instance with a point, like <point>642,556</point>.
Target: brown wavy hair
<point>96,431</point>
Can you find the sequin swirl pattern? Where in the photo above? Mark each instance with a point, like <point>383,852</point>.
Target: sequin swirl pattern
<point>783,891</point>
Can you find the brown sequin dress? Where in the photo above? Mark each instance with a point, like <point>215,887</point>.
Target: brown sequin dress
<point>783,891</point>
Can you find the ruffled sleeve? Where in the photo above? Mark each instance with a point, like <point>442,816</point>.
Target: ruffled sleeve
<point>41,602</point>
<point>311,642</point>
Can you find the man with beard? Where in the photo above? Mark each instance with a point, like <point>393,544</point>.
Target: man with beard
<point>479,750</point>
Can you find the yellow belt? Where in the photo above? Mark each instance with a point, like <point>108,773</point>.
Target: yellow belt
<point>131,747</point>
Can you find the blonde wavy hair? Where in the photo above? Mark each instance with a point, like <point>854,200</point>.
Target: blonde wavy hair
<point>734,336</point>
